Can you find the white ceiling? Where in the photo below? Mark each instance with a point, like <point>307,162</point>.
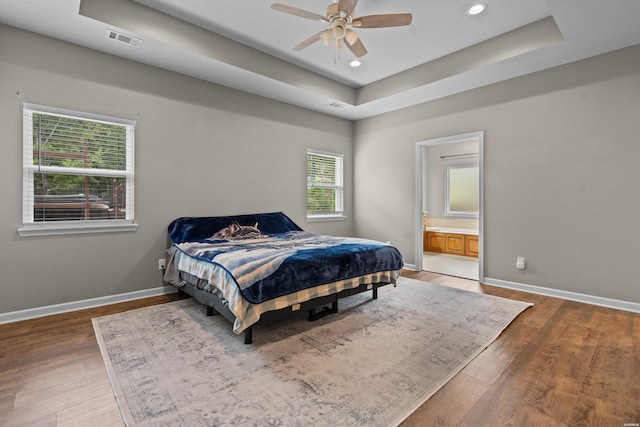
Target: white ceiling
<point>391,50</point>
<point>244,44</point>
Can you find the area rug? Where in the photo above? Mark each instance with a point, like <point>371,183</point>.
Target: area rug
<point>373,363</point>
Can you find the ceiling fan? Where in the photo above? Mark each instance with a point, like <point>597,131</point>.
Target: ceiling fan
<point>341,22</point>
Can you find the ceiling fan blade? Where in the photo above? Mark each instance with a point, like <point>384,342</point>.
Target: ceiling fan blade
<point>347,6</point>
<point>357,48</point>
<point>298,12</point>
<point>311,40</point>
<point>380,21</point>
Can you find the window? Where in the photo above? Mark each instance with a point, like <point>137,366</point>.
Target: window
<point>324,186</point>
<point>463,190</point>
<point>77,172</point>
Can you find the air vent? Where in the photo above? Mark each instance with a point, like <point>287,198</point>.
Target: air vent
<point>130,40</point>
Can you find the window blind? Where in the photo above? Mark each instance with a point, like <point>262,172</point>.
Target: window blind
<point>324,183</point>
<point>78,167</point>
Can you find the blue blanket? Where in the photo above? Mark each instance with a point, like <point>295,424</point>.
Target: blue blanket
<point>269,256</point>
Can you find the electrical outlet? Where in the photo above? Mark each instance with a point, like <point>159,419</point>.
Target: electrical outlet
<point>162,264</point>
<point>520,263</point>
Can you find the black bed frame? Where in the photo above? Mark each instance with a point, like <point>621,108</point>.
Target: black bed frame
<point>316,307</point>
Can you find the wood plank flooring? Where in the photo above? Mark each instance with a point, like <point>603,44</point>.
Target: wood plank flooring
<point>560,363</point>
<point>52,373</point>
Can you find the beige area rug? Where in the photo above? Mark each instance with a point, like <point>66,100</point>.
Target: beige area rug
<point>373,363</point>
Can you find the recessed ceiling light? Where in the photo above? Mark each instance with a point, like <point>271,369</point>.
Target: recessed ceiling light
<point>355,63</point>
<point>477,9</point>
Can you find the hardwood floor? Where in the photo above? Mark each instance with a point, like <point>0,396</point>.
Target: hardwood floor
<point>51,370</point>
<point>560,363</point>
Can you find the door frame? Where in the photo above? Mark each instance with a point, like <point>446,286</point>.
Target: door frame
<point>478,135</point>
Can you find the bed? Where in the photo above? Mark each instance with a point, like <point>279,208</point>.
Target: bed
<point>260,267</point>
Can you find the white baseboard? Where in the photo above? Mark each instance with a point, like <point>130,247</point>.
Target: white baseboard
<point>31,313</point>
<point>572,296</point>
<point>411,267</point>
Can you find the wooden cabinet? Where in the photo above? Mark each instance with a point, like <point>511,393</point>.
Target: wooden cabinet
<point>471,246</point>
<point>435,242</point>
<point>451,243</point>
<point>454,244</point>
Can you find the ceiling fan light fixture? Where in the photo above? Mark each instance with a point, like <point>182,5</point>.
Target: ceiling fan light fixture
<point>332,10</point>
<point>351,37</point>
<point>339,29</point>
<point>326,37</point>
<point>477,9</point>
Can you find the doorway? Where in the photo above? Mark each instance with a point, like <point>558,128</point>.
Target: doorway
<point>438,216</point>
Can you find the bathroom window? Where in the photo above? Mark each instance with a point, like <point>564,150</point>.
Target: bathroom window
<point>463,191</point>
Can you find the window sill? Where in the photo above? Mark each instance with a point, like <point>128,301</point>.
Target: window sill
<point>33,230</point>
<point>319,218</point>
<point>462,215</point>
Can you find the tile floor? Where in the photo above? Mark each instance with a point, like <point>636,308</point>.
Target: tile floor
<point>451,265</point>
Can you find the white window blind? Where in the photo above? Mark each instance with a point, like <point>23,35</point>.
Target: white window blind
<point>78,172</point>
<point>324,185</point>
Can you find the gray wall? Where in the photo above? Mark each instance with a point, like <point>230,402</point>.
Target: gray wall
<point>201,149</point>
<point>561,150</point>
<point>561,174</point>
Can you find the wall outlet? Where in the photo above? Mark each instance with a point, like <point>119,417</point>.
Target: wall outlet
<point>520,263</point>
<point>162,264</point>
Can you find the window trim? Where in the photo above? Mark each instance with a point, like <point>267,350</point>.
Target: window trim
<point>29,226</point>
<point>338,215</point>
